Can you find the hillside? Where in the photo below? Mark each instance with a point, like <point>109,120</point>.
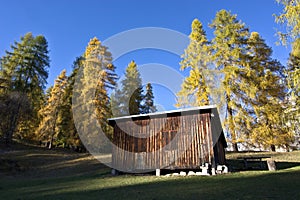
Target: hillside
<point>22,161</point>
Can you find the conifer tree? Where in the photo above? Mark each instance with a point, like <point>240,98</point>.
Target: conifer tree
<point>149,106</point>
<point>269,93</point>
<point>65,124</point>
<point>48,131</point>
<point>98,65</point>
<point>27,66</point>
<point>15,108</point>
<point>292,112</point>
<point>92,102</point>
<point>132,91</point>
<point>116,102</point>
<point>194,90</point>
<point>290,18</point>
<point>228,49</point>
<point>25,69</point>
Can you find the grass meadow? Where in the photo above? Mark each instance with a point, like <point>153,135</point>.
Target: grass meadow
<point>37,173</point>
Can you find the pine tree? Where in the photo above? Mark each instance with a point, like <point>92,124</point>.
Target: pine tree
<point>26,70</point>
<point>194,90</point>
<point>48,131</point>
<point>149,106</point>
<point>228,50</point>
<point>132,91</point>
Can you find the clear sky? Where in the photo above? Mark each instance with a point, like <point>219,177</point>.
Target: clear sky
<point>68,25</point>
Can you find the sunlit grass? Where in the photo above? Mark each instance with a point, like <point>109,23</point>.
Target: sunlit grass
<point>243,185</point>
<point>293,156</point>
<point>66,175</point>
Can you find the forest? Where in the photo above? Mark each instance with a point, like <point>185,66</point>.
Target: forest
<point>258,95</point>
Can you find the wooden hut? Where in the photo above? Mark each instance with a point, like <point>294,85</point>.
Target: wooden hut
<point>177,139</point>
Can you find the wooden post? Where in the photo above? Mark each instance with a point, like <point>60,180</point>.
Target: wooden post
<point>114,172</point>
<point>157,172</point>
<point>271,164</point>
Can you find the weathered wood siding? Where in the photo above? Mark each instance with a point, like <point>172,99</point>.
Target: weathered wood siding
<point>152,143</point>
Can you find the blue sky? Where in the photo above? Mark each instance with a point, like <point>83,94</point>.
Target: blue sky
<point>68,26</point>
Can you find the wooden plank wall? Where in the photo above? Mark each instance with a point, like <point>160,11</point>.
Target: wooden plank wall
<point>177,142</point>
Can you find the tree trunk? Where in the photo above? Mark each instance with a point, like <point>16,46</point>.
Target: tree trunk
<point>53,130</point>
<point>50,143</point>
<point>287,147</point>
<point>235,147</point>
<point>13,122</point>
<point>273,148</point>
<point>8,138</point>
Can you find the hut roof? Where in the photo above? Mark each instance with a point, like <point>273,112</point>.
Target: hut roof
<point>182,111</point>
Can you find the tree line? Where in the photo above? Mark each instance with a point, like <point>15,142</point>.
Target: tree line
<point>235,69</point>
<point>30,114</point>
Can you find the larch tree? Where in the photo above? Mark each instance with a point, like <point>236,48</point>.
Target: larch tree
<point>65,124</point>
<point>149,106</point>
<point>4,82</point>
<point>26,70</point>
<point>228,50</point>
<point>292,112</point>
<point>15,107</point>
<point>194,89</point>
<point>268,101</point>
<point>132,91</point>
<point>290,19</point>
<point>96,76</point>
<point>48,130</point>
<point>98,65</point>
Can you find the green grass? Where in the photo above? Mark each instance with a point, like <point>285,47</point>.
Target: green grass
<point>283,160</point>
<point>83,178</point>
<point>246,185</point>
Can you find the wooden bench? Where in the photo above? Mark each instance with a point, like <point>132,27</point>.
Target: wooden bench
<point>248,159</point>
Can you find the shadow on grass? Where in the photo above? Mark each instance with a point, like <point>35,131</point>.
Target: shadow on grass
<point>62,176</point>
<point>286,165</point>
<point>29,162</point>
<point>236,165</point>
<point>245,185</point>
